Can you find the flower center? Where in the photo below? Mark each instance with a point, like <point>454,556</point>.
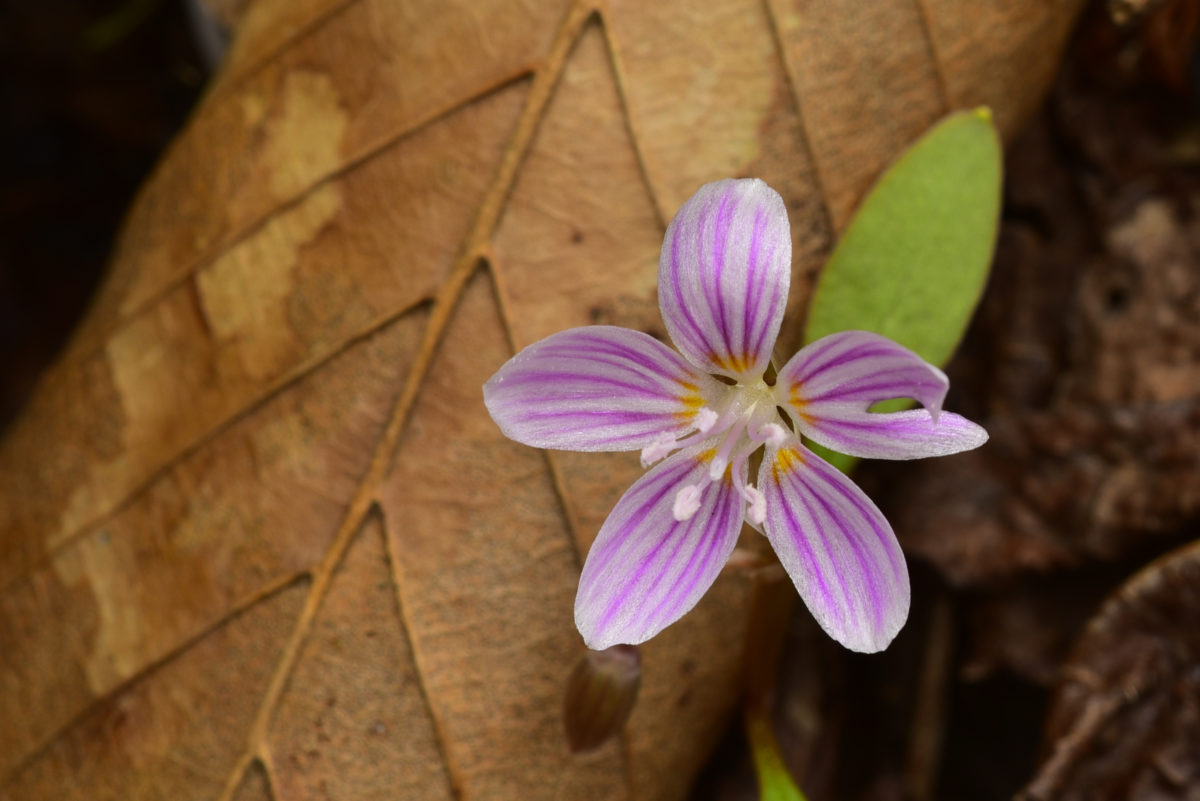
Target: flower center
<point>743,421</point>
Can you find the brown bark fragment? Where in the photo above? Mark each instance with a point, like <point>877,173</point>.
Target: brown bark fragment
<point>1125,722</point>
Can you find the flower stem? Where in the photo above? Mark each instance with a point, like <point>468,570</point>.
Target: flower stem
<point>772,604</point>
<point>774,781</point>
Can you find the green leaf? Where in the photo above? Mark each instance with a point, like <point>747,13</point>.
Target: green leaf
<point>774,781</point>
<point>913,261</point>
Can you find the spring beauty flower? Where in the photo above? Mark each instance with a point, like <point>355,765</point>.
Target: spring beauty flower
<point>697,418</point>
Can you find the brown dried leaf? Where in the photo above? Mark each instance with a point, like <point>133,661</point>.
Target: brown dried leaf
<point>1125,722</point>
<point>259,501</point>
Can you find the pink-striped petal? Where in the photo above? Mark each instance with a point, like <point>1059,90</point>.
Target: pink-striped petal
<point>598,388</point>
<point>828,387</point>
<point>647,569</point>
<point>836,546</point>
<point>723,276</point>
<point>857,368</point>
<point>912,434</point>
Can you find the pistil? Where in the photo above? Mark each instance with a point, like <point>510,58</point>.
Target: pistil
<point>747,422</point>
<point>721,459</point>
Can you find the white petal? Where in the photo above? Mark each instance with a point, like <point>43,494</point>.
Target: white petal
<point>837,547</point>
<point>723,276</point>
<point>647,568</point>
<point>599,388</point>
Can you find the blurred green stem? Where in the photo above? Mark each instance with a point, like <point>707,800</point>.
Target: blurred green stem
<point>774,601</point>
<point>774,781</point>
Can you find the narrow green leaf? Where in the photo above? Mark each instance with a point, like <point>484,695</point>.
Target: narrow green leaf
<point>913,261</point>
<point>774,781</point>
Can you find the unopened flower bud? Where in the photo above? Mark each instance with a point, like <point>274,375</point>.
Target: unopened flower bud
<point>601,692</point>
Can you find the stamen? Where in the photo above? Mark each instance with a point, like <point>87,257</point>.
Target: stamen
<point>721,460</point>
<point>743,454</point>
<point>756,512</point>
<point>687,502</point>
<point>717,467</point>
<point>658,449</point>
<point>772,434</point>
<point>708,423</point>
<point>706,418</point>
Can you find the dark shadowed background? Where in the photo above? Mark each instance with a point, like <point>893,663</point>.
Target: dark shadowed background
<point>91,93</point>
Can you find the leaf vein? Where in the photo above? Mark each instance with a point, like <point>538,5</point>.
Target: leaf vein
<point>444,304</point>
